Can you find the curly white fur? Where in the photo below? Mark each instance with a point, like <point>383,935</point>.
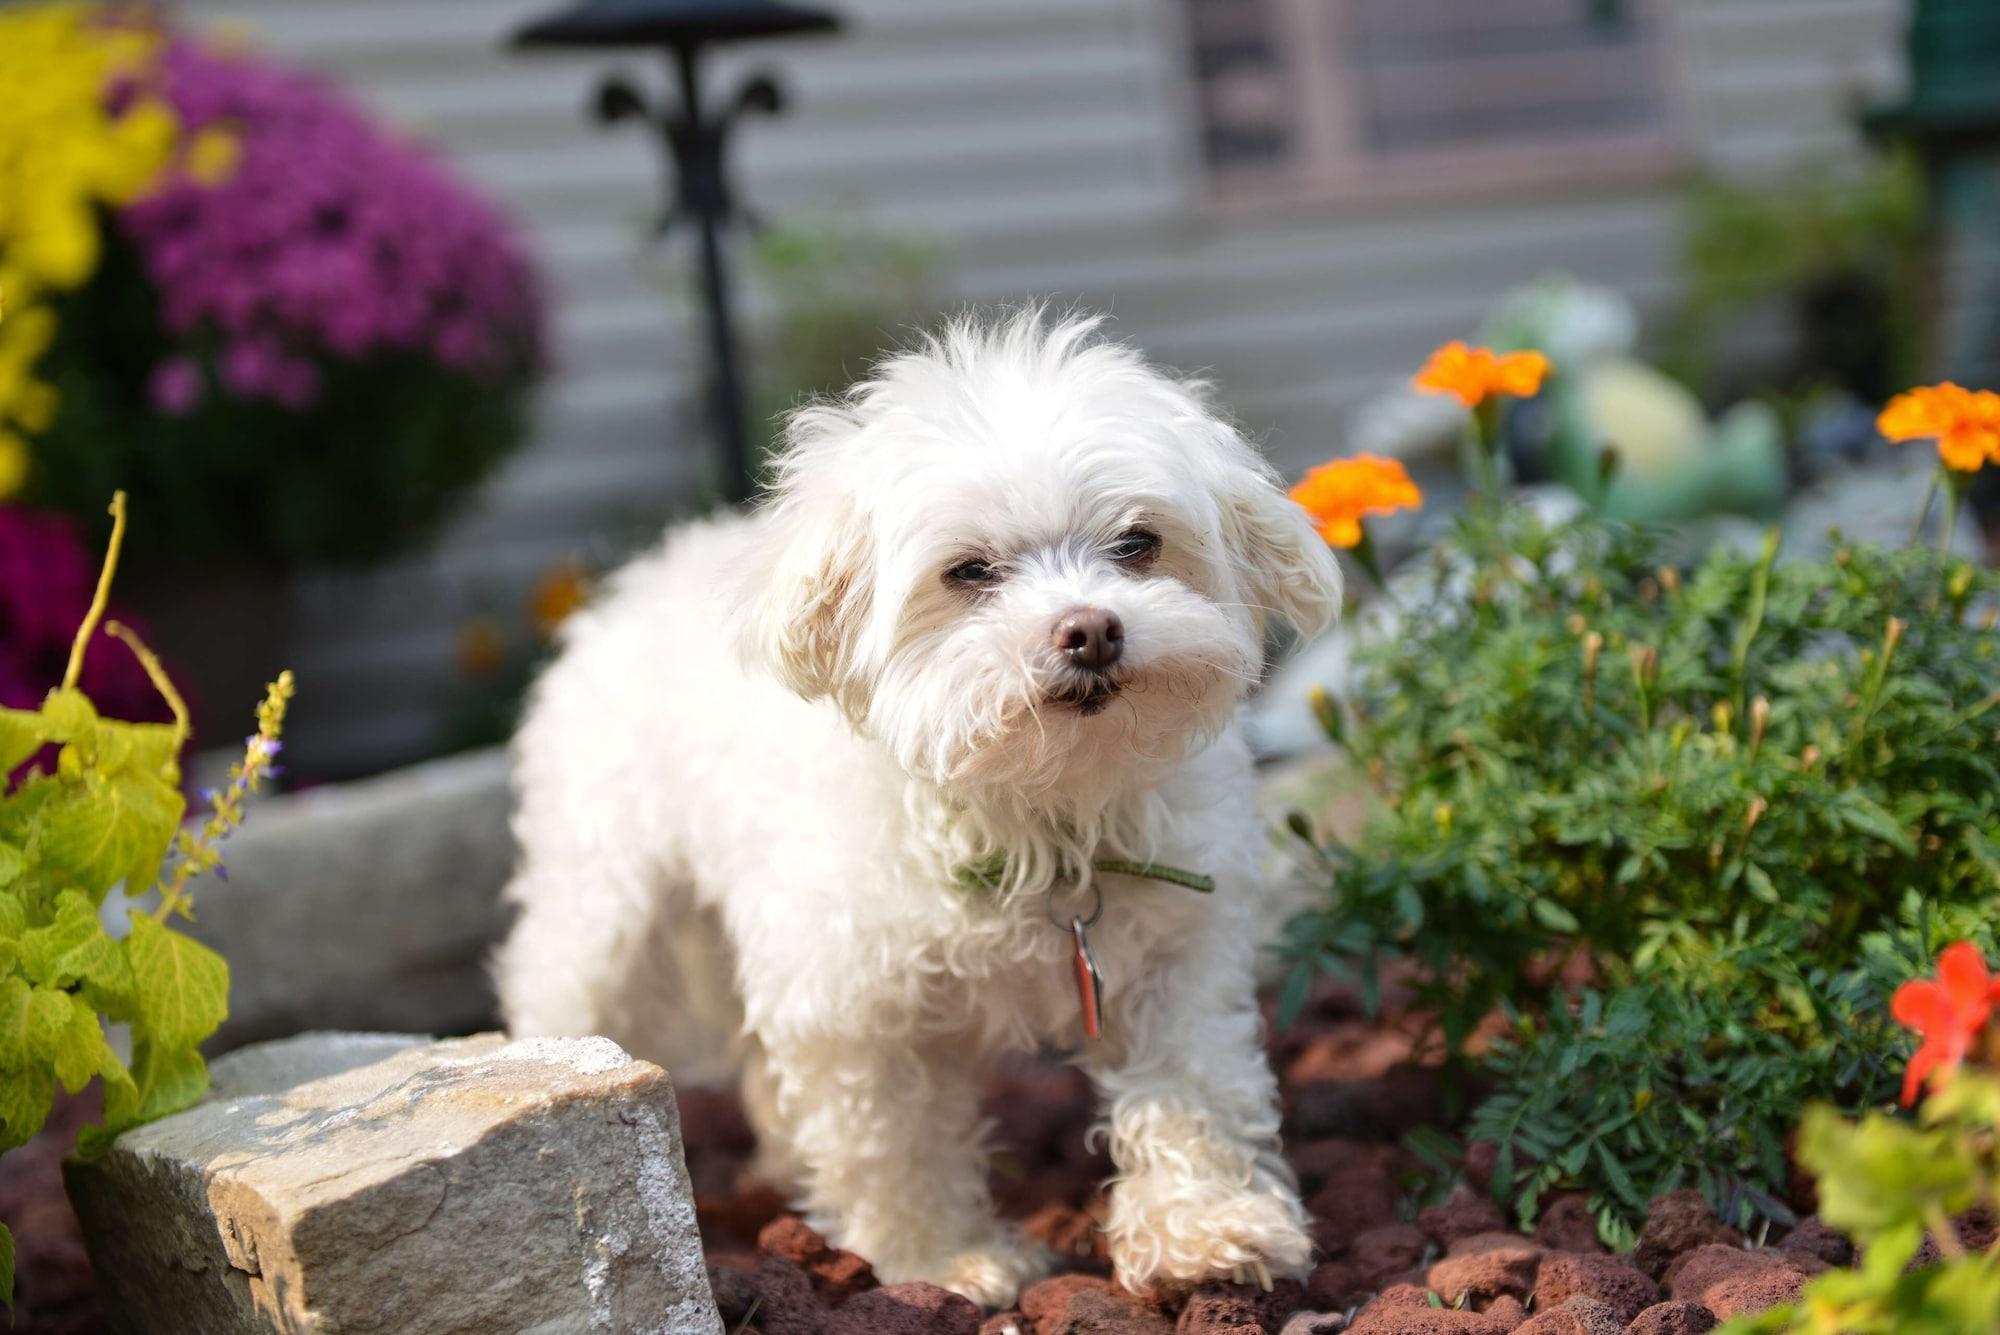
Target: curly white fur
<point>767,750</point>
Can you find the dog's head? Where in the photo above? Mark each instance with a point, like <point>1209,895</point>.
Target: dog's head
<point>1019,555</point>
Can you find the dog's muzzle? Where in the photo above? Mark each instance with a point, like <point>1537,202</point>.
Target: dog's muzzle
<point>1088,641</point>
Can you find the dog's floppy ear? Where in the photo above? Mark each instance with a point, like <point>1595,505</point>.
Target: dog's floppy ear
<point>807,602</point>
<point>1284,567</point>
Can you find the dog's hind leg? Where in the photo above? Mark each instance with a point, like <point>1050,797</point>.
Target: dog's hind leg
<point>612,946</point>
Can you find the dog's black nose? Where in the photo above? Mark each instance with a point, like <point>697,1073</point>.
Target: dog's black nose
<point>1090,637</point>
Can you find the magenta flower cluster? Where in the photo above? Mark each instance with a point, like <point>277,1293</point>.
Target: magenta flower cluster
<point>329,242</point>
<point>47,579</point>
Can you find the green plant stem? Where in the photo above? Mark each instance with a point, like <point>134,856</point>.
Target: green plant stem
<point>162,683</point>
<point>101,598</point>
<point>1480,442</point>
<point>1753,620</point>
<point>1924,510</point>
<point>1892,637</point>
<point>1971,712</point>
<point>1365,556</point>
<point>1953,489</point>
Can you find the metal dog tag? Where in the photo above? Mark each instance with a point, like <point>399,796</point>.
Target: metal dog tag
<point>1089,983</point>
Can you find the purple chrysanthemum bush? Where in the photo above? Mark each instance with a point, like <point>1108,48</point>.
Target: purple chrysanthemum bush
<point>303,339</point>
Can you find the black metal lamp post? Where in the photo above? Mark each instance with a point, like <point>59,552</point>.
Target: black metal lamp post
<point>696,138</point>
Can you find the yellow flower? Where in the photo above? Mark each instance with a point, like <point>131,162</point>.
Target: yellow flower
<point>1339,493</point>
<point>13,464</point>
<point>1472,375</point>
<point>212,155</point>
<point>1965,423</point>
<point>66,153</point>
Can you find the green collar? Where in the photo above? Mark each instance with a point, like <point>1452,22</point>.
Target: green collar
<point>988,872</point>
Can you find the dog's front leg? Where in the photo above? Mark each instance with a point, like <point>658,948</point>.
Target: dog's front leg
<point>1202,1190</point>
<point>892,1156</point>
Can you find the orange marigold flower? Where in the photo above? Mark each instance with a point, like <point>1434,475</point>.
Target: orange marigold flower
<point>1949,1012</point>
<point>1338,494</point>
<point>1964,422</point>
<point>562,589</point>
<point>1473,375</point>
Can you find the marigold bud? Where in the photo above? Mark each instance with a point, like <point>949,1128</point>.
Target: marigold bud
<point>1760,719</point>
<point>1327,714</point>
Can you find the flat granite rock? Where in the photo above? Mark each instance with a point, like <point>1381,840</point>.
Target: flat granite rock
<point>370,1184</point>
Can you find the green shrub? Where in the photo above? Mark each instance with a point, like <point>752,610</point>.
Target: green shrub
<point>108,815</point>
<point>1742,799</point>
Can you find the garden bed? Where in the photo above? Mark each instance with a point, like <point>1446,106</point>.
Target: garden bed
<point>1391,1230</point>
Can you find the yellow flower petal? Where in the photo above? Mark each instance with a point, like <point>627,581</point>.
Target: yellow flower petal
<point>212,155</point>
<point>13,464</point>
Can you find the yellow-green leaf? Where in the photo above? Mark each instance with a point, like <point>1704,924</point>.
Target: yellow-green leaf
<point>73,949</point>
<point>48,1017</point>
<point>182,985</point>
<point>68,716</point>
<point>81,1051</point>
<point>121,1106</point>
<point>25,1097</point>
<point>7,1271</point>
<point>73,923</point>
<point>12,860</point>
<point>102,830</point>
<point>21,735</point>
<point>147,749</point>
<point>169,1079</point>
<point>15,992</point>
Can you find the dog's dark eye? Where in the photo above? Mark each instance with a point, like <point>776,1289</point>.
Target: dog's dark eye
<point>973,574</point>
<point>1139,544</point>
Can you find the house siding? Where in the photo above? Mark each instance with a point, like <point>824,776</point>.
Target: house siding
<point>1048,149</point>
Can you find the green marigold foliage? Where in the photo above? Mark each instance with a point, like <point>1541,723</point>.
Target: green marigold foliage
<point>1743,800</point>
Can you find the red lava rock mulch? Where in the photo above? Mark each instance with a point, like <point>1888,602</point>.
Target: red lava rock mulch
<point>1350,1088</point>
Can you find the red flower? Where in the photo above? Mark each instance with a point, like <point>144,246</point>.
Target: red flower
<point>1948,1012</point>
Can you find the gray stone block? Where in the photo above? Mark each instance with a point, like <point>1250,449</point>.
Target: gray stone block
<point>369,905</point>
<point>366,1184</point>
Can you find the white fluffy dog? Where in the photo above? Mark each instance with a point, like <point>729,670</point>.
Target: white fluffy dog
<point>870,753</point>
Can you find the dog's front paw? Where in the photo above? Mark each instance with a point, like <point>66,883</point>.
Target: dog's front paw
<point>1164,1229</point>
<point>994,1274</point>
